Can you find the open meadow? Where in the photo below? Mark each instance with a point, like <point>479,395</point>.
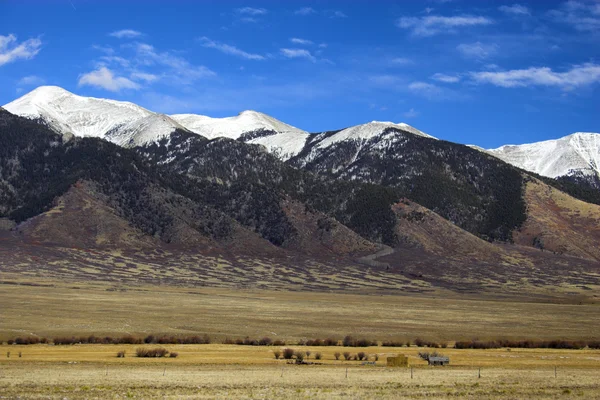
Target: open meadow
<point>60,309</point>
<point>230,371</point>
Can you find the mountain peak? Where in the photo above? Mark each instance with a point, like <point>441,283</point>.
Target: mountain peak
<point>575,153</point>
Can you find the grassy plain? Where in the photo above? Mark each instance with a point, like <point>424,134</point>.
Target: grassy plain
<point>85,309</point>
<point>229,371</point>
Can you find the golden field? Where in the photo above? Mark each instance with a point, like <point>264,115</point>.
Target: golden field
<point>85,309</point>
<point>55,308</point>
<point>230,371</point>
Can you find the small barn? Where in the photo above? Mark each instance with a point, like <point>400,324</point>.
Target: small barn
<point>398,361</point>
<point>438,360</point>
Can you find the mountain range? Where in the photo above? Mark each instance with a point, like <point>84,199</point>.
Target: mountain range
<point>383,201</point>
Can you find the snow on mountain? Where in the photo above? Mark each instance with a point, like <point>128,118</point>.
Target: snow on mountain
<point>122,123</point>
<point>576,153</point>
<point>279,138</point>
<point>372,133</point>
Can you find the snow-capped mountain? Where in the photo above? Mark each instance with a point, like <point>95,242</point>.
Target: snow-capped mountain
<point>122,123</point>
<point>372,135</point>
<point>279,138</point>
<point>578,153</point>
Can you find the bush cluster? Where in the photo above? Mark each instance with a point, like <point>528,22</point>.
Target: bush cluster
<point>196,339</point>
<point>349,341</point>
<point>247,341</point>
<point>28,340</point>
<point>157,352</point>
<point>319,342</point>
<point>526,344</point>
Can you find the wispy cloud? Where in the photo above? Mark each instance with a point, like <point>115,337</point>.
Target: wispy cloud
<point>251,11</point>
<point>402,61</point>
<point>125,34</point>
<point>446,78</point>
<point>31,80</point>
<point>304,42</point>
<point>434,24</point>
<point>143,76</point>
<point>298,53</point>
<point>515,9</point>
<point>412,113</point>
<point>578,76</point>
<point>336,14</point>
<point>179,69</point>
<point>104,78</point>
<point>433,92</point>
<point>11,50</point>
<point>582,16</point>
<point>477,50</point>
<point>305,11</point>
<point>228,49</point>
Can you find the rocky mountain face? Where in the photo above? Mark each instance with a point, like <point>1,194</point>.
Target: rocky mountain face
<point>380,194</point>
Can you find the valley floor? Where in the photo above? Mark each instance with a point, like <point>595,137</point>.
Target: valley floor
<point>229,371</point>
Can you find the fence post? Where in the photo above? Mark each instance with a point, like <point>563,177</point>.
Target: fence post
<point>346,372</point>
<point>479,375</point>
<point>411,372</point>
<point>555,372</point>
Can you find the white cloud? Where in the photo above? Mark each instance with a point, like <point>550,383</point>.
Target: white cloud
<point>434,92</point>
<point>402,61</point>
<point>179,69</point>
<point>251,11</point>
<point>228,49</point>
<point>578,76</point>
<point>105,78</point>
<point>298,53</point>
<point>115,60</point>
<point>445,78</point>
<point>11,50</point>
<point>323,45</point>
<point>31,80</point>
<point>434,24</point>
<point>304,42</point>
<point>125,34</point>
<point>337,14</point>
<point>143,76</point>
<point>305,11</point>
<point>412,113</point>
<point>582,16</point>
<point>515,9</point>
<point>477,50</point>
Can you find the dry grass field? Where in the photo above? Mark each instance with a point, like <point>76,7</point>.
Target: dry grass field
<point>229,371</point>
<point>45,306</point>
<point>85,309</point>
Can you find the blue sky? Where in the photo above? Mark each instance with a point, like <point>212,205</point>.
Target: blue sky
<point>481,72</point>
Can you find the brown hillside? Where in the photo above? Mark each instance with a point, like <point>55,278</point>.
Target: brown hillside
<point>559,223</point>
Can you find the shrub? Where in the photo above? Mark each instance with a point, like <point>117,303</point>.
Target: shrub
<point>10,341</point>
<point>150,339</point>
<point>308,353</point>
<point>318,356</point>
<point>299,356</point>
<point>278,342</point>
<point>266,341</point>
<point>173,354</point>
<point>361,355</point>
<point>121,354</point>
<point>288,353</point>
<point>347,356</point>
<point>330,342</point>
<point>348,341</point>
<point>337,355</point>
<point>277,354</point>
<point>376,357</point>
<point>151,353</point>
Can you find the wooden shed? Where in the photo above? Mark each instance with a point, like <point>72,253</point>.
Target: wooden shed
<point>398,361</point>
<point>438,360</point>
